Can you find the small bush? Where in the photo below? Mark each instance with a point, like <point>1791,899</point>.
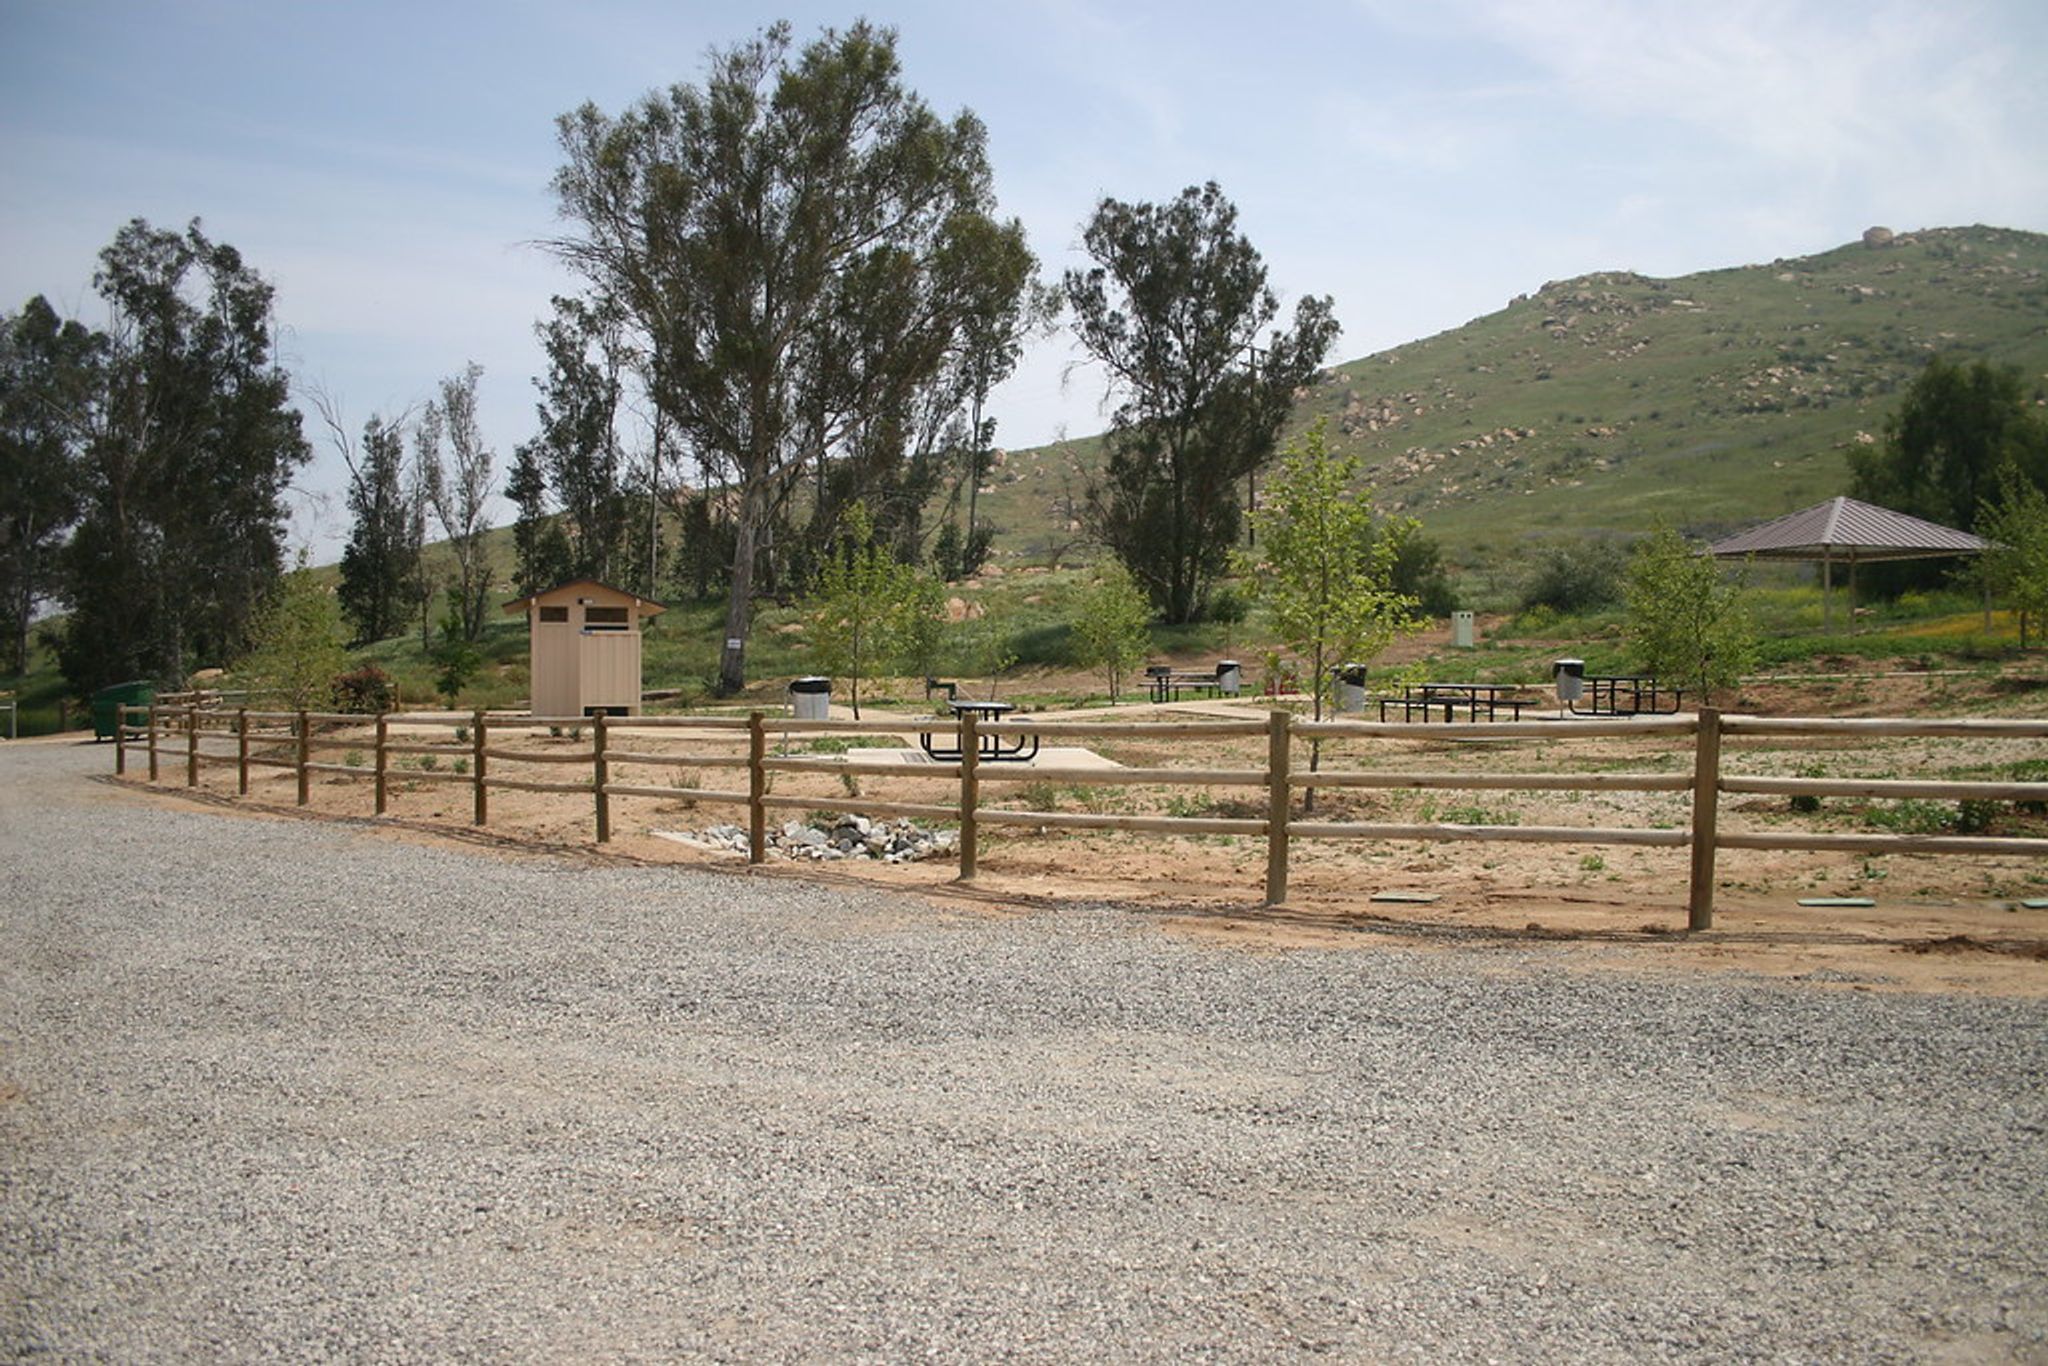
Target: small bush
<point>367,691</point>
<point>1974,815</point>
<point>1582,576</point>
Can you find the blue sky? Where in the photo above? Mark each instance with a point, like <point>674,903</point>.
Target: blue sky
<point>386,165</point>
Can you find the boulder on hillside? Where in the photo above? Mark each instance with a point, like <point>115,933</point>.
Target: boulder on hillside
<point>1877,237</point>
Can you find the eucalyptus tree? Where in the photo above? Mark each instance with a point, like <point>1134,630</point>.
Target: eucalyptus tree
<point>578,443</point>
<point>193,443</point>
<point>791,241</point>
<point>48,370</point>
<point>1173,309</point>
<point>458,485</point>
<point>380,561</point>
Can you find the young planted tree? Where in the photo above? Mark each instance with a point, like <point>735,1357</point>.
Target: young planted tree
<point>1112,627</point>
<point>296,643</point>
<point>1174,308</point>
<point>1686,622</point>
<point>49,373</point>
<point>1325,578</point>
<point>856,615</point>
<point>796,244</point>
<point>459,486</point>
<point>2015,568</point>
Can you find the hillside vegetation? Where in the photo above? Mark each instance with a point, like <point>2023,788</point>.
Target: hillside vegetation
<point>1597,404</point>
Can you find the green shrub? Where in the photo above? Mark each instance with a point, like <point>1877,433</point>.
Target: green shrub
<point>1580,576</point>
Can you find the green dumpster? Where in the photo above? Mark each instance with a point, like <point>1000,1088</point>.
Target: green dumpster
<point>106,704</point>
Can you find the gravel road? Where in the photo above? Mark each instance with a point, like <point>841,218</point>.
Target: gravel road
<point>303,1090</point>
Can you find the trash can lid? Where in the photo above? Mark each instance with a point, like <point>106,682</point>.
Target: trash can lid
<point>1558,666</point>
<point>811,683</point>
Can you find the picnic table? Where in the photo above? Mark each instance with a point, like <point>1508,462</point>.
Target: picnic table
<point>1471,698</point>
<point>1627,695</point>
<point>992,747</point>
<point>1168,683</point>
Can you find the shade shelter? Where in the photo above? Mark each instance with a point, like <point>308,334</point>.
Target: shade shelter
<point>1845,531</point>
<point>585,648</point>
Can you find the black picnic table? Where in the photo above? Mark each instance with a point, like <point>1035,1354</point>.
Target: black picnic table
<point>1168,683</point>
<point>1471,698</point>
<point>1627,695</point>
<point>993,748</point>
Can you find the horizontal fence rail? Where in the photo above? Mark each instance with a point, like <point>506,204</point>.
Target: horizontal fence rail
<point>483,745</point>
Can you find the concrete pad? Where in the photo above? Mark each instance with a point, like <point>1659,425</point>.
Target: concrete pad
<point>1048,756</point>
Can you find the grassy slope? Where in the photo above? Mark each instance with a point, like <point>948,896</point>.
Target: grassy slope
<point>1596,405</point>
<point>1593,405</point>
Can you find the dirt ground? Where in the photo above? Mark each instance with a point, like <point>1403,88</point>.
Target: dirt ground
<point>1937,924</point>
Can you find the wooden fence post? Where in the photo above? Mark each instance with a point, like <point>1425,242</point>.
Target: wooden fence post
<point>305,725</point>
<point>192,745</point>
<point>757,788</point>
<point>242,752</point>
<point>1277,793</point>
<point>120,739</point>
<point>383,760</point>
<point>601,774</point>
<point>970,793</point>
<point>1706,804</point>
<point>476,750</point>
<point>152,742</point>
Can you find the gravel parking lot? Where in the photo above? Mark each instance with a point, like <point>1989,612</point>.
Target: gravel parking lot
<point>273,1088</point>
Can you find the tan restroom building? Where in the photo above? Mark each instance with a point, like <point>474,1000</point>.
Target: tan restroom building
<point>585,648</point>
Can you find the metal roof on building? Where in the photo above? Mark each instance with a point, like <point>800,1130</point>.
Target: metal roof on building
<point>1845,529</point>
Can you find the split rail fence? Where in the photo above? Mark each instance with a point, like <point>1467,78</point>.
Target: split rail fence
<point>190,737</point>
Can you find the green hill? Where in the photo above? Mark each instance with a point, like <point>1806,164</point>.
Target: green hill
<point>1594,405</point>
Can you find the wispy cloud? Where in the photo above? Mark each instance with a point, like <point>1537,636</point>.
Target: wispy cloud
<point>1832,93</point>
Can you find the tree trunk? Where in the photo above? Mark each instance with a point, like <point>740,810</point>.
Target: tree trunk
<point>732,656</point>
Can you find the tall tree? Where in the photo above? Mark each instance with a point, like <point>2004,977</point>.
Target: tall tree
<point>1955,430</point>
<point>578,444</point>
<point>1172,308</point>
<point>540,551</point>
<point>787,240</point>
<point>459,486</point>
<point>187,465</point>
<point>48,374</point>
<point>380,560</point>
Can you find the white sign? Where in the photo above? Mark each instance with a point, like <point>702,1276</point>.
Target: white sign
<point>734,643</point>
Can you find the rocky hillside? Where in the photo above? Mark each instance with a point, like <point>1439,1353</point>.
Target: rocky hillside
<point>1595,405</point>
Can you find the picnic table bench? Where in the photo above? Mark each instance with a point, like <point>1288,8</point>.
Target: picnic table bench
<point>1627,695</point>
<point>991,747</point>
<point>1450,698</point>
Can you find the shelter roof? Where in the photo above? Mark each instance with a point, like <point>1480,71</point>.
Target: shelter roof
<point>1845,529</point>
<point>647,607</point>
